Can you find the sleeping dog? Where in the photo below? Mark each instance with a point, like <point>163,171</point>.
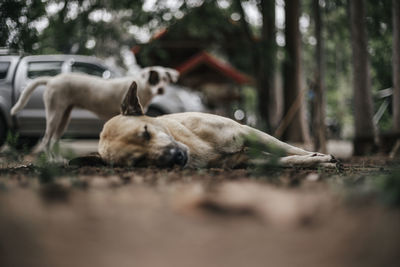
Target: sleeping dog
<point>103,97</point>
<point>187,139</point>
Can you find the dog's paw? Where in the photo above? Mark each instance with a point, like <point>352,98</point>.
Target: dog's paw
<point>339,166</point>
<point>333,159</point>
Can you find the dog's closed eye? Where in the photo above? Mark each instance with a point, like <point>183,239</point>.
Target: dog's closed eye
<point>146,134</point>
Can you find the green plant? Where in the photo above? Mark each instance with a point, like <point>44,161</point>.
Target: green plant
<point>388,187</point>
<point>48,169</point>
<point>264,158</point>
<point>12,153</point>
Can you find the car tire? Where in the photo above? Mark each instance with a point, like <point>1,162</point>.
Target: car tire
<point>26,143</point>
<point>3,131</point>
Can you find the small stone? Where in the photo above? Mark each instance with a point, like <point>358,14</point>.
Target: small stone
<point>313,177</point>
<point>138,179</point>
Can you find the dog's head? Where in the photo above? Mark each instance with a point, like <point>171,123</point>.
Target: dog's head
<point>157,77</point>
<point>133,139</point>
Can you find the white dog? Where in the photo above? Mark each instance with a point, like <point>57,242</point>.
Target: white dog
<point>103,97</point>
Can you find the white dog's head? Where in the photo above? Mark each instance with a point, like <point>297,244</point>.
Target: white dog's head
<point>157,77</point>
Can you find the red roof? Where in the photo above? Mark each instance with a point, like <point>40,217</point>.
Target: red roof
<point>205,58</point>
<point>159,34</point>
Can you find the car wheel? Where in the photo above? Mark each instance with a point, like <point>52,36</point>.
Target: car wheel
<point>26,143</point>
<point>3,131</point>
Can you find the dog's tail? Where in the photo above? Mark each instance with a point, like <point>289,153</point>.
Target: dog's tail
<point>26,94</point>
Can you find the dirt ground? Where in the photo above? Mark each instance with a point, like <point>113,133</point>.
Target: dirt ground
<point>102,216</point>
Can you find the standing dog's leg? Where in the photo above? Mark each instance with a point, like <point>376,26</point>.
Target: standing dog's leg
<point>55,154</point>
<point>53,118</point>
<point>62,126</point>
<point>54,115</point>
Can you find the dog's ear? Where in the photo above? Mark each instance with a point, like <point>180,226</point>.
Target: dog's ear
<point>154,77</point>
<point>130,106</point>
<point>172,74</point>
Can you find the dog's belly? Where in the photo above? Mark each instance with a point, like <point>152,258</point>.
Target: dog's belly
<point>215,159</point>
<point>100,96</point>
<point>231,160</point>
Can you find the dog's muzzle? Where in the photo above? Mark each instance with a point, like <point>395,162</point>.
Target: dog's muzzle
<point>173,156</point>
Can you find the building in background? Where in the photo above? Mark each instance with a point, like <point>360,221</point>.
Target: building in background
<point>201,70</point>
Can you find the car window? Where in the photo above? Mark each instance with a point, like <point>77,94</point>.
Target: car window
<point>4,65</point>
<point>49,68</point>
<point>89,68</point>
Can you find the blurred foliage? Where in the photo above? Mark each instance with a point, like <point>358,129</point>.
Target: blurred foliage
<point>338,72</point>
<point>389,187</point>
<point>337,56</point>
<point>264,158</point>
<point>72,26</point>
<point>206,27</point>
<point>103,28</point>
<point>12,153</point>
<point>16,28</point>
<point>47,170</point>
<point>357,188</point>
<point>380,28</point>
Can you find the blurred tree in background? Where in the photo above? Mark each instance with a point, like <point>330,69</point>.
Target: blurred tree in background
<point>396,65</point>
<point>319,101</point>
<point>17,30</point>
<point>364,139</point>
<point>296,128</point>
<point>263,54</point>
<point>206,27</point>
<point>250,34</point>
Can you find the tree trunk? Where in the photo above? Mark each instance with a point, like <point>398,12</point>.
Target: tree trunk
<point>296,129</point>
<point>263,57</point>
<point>396,65</point>
<point>319,102</point>
<point>364,139</point>
<point>267,105</point>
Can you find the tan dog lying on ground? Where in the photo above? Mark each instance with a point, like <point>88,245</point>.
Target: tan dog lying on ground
<point>186,139</point>
<point>103,97</point>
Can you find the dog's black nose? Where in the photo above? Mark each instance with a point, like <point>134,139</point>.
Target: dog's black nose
<point>172,156</point>
<point>180,157</point>
<point>160,91</point>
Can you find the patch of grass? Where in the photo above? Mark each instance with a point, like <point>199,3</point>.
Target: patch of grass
<point>358,188</point>
<point>48,170</point>
<point>388,187</point>
<point>264,159</point>
<point>66,153</point>
<point>3,186</point>
<point>12,153</point>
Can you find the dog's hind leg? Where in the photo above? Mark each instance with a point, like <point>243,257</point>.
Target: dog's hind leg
<point>62,126</point>
<point>53,118</point>
<point>295,155</point>
<point>273,142</point>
